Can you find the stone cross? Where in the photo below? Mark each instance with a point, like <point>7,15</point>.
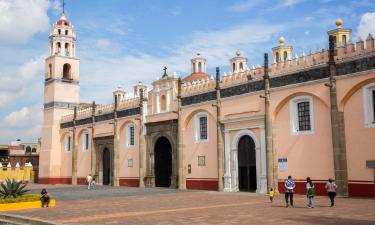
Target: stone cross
<point>371,164</point>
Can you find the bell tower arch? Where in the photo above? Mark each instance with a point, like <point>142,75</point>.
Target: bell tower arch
<point>61,96</point>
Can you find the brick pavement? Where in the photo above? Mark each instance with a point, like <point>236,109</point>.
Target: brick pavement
<point>108,205</point>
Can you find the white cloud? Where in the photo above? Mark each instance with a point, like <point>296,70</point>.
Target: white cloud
<point>25,124</point>
<point>286,3</point>
<point>366,25</point>
<point>25,82</point>
<point>103,43</point>
<point>245,5</point>
<point>18,118</point>
<point>21,19</point>
<point>126,69</point>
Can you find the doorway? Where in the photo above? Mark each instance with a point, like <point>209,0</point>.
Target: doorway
<point>247,178</point>
<point>163,162</point>
<point>106,166</point>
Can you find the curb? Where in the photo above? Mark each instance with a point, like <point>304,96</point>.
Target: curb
<point>8,219</point>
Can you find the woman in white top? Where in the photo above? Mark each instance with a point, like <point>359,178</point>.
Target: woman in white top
<point>331,188</point>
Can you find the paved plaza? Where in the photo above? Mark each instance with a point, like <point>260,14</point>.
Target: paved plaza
<point>110,205</point>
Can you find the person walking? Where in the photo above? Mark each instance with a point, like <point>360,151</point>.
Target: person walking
<point>331,188</point>
<point>271,193</point>
<point>89,180</point>
<point>289,185</point>
<point>310,192</point>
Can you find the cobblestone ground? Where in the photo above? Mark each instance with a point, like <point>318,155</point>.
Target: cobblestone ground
<point>109,205</point>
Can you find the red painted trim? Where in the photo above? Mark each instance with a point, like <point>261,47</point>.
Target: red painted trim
<point>359,189</point>
<point>81,180</point>
<point>202,184</point>
<point>55,180</point>
<point>129,182</point>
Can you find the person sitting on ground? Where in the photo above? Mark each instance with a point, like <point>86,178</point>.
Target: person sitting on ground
<point>44,198</point>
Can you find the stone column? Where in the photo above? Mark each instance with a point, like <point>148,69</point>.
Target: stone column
<point>180,142</point>
<point>220,153</point>
<point>235,170</point>
<point>142,146</point>
<point>337,122</point>
<point>116,154</point>
<point>74,151</point>
<point>93,147</point>
<point>227,176</point>
<point>268,125</point>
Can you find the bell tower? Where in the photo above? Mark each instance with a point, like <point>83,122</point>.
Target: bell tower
<point>61,96</point>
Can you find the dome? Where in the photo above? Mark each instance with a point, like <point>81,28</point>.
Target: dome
<point>339,22</point>
<point>63,20</point>
<point>282,40</point>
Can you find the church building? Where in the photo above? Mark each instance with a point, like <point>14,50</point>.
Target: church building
<point>309,115</point>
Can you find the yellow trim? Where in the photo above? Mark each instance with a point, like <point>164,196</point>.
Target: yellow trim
<point>24,205</point>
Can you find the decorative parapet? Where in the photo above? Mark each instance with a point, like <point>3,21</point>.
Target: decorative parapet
<point>126,107</point>
<point>198,86</point>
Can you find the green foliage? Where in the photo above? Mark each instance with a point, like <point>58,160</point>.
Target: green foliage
<point>23,198</point>
<point>12,189</point>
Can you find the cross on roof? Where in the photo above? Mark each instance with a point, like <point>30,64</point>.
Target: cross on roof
<point>165,72</point>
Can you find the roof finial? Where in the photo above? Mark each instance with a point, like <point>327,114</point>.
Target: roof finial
<point>63,6</point>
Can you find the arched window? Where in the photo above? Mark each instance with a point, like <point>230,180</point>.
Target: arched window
<point>66,49</point>
<point>199,67</point>
<point>49,71</point>
<point>85,141</point>
<point>28,149</point>
<point>66,71</point>
<point>33,149</point>
<point>59,31</point>
<point>194,69</point>
<point>241,66</point>
<point>344,40</point>
<point>66,32</point>
<point>58,47</point>
<point>277,57</point>
<point>285,56</point>
<point>163,103</point>
<point>67,142</point>
<point>234,67</point>
<point>130,135</point>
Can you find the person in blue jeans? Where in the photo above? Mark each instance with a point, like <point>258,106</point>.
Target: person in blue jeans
<point>289,185</point>
<point>310,192</point>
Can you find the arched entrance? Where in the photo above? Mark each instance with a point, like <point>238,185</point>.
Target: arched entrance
<point>163,162</point>
<point>247,175</point>
<point>106,166</point>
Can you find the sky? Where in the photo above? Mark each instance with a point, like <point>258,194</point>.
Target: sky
<point>120,42</point>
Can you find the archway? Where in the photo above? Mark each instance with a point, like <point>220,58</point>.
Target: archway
<point>106,166</point>
<point>247,175</point>
<point>163,162</point>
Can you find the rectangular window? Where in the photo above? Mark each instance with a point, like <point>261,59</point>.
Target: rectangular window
<point>86,141</point>
<point>304,116</point>
<point>69,143</point>
<point>203,128</point>
<point>131,135</point>
<point>201,160</point>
